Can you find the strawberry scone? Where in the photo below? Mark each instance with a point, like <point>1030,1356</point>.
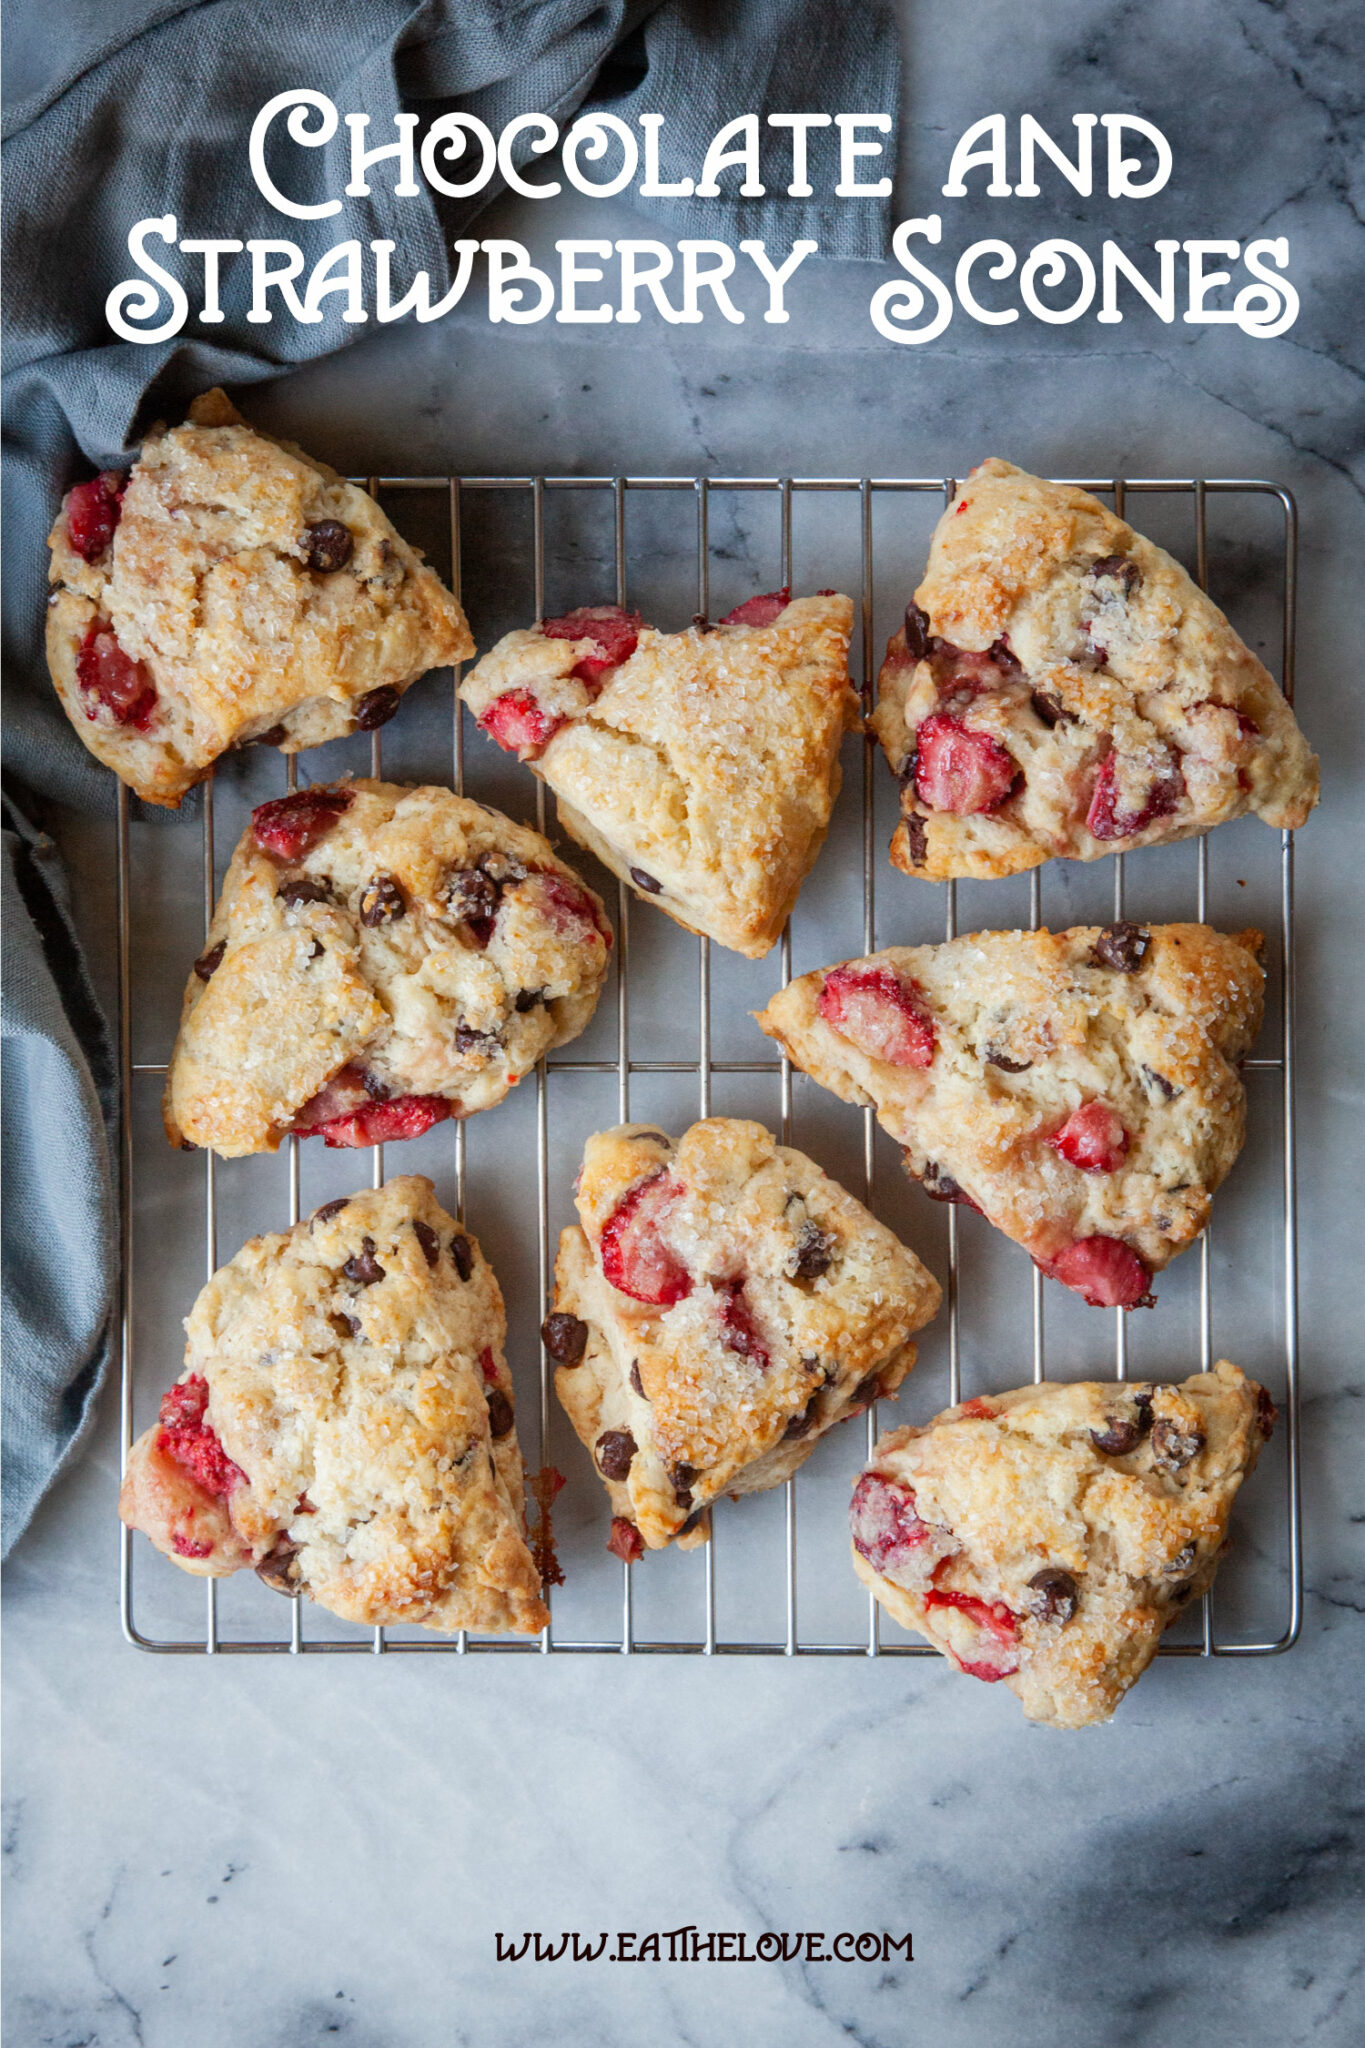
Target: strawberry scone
<point>1061,687</point>
<point>381,958</point>
<point>1078,1088</point>
<point>1047,1536</point>
<point>700,767</point>
<point>722,1305</point>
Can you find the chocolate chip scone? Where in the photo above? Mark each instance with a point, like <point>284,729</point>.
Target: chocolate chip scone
<point>1047,1536</point>
<point>381,958</point>
<point>1079,1088</point>
<point>700,767</point>
<point>229,589</point>
<point>344,1424</point>
<point>1061,686</point>
<point>723,1304</point>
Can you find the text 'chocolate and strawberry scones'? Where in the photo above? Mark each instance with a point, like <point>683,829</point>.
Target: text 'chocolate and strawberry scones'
<point>1061,686</point>
<point>723,1304</point>
<point>1047,1536</point>
<point>700,767</point>
<point>1079,1088</point>
<point>381,958</point>
<point>227,590</point>
<point>344,1424</point>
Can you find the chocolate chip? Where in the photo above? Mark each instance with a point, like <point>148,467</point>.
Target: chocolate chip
<point>528,999</point>
<point>813,1253</point>
<point>363,1267</point>
<point>429,1241</point>
<point>1053,1595</point>
<point>1048,708</point>
<point>1267,1414</point>
<point>1181,1562</point>
<point>694,1521</point>
<point>804,1423</point>
<point>564,1337</point>
<point>636,1382</point>
<point>472,895</point>
<point>382,902</point>
<point>1157,1084</point>
<point>645,882</point>
<point>616,1450</point>
<point>376,1089</point>
<point>328,545</point>
<point>940,1186</point>
<point>273,736</point>
<point>463,1254</point>
<point>207,965</point>
<point>279,1569</point>
<point>993,1057</point>
<point>499,1413</point>
<point>467,1039</point>
<point>344,1326</point>
<point>681,1477</point>
<point>188,1145</point>
<point>1117,1438</point>
<point>1122,946</point>
<point>1173,1447</point>
<point>329,1210</point>
<point>866,1392</point>
<point>377,707</point>
<point>316,950</point>
<point>917,838</point>
<point>1122,568</point>
<point>300,889</point>
<point>917,634</point>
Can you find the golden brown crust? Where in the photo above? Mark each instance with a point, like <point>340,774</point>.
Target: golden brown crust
<point>1047,1536</point>
<point>206,582</point>
<point>362,1413</point>
<point>709,762</point>
<point>779,1259</point>
<point>1028,1028</point>
<point>1114,648</point>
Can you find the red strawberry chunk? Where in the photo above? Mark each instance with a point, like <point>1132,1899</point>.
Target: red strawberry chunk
<point>182,1407</point>
<point>110,679</point>
<point>625,1540</point>
<point>886,1529</point>
<point>1093,1138</point>
<point>290,825</point>
<point>999,1628</point>
<point>186,1546</point>
<point>883,1016</point>
<point>488,1365</point>
<point>383,1123</point>
<point>635,1258</point>
<point>762,611</point>
<point>92,513</point>
<point>981,1410</point>
<point>960,770</point>
<point>1107,819</point>
<point>1103,1271</point>
<point>519,724</point>
<point>188,1439</point>
<point>569,907</point>
<point>341,1096</point>
<point>612,630</point>
<point>739,1332</point>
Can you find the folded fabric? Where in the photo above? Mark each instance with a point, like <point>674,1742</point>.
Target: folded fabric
<point>88,157</point>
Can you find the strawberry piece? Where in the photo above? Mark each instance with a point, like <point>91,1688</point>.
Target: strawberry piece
<point>884,1017</point>
<point>383,1123</point>
<point>110,679</point>
<point>625,1540</point>
<point>612,630</point>
<point>189,1440</point>
<point>981,1410</point>
<point>186,1546</point>
<point>183,1405</point>
<point>960,770</point>
<point>289,826</point>
<point>1106,819</point>
<point>519,724</point>
<point>488,1365</point>
<point>1103,1271</point>
<point>996,1623</point>
<point>635,1258</point>
<point>886,1529</point>
<point>341,1096</point>
<point>759,611</point>
<point>92,513</point>
<point>739,1330</point>
<point>568,906</point>
<point>1093,1138</point>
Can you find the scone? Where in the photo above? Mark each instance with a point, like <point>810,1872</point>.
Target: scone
<point>1079,1088</point>
<point>1060,686</point>
<point>700,767</point>
<point>1047,1536</point>
<point>344,1424</point>
<point>723,1304</point>
<point>381,958</point>
<point>229,589</point>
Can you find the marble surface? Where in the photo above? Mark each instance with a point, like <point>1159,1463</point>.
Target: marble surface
<point>281,1853</point>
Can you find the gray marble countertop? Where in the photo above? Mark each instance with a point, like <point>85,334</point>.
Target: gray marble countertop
<point>278,1853</point>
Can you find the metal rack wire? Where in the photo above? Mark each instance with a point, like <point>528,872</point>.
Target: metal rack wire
<point>869,493</point>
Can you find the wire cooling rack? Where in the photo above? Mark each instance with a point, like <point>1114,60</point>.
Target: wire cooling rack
<point>759,1540</point>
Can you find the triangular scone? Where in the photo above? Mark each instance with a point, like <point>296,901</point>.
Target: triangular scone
<point>723,1304</point>
<point>1047,1536</point>
<point>1061,686</point>
<point>700,767</point>
<point>1079,1088</point>
<point>381,958</point>
<point>344,1424</point>
<point>229,589</point>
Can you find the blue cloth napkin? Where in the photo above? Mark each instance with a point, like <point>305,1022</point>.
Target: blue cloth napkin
<point>155,121</point>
